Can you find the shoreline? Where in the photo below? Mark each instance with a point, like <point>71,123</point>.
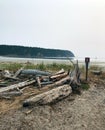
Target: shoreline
<point>93,62</point>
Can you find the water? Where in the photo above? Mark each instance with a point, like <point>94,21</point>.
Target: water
<point>81,61</point>
<point>33,60</point>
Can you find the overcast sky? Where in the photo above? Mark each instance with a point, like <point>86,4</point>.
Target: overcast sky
<point>76,25</point>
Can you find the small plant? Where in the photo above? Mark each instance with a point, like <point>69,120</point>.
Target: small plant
<point>11,66</point>
<point>45,67</point>
<point>29,66</point>
<point>85,86</point>
<point>41,66</point>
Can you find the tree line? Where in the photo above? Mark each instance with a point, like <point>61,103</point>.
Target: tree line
<point>33,52</point>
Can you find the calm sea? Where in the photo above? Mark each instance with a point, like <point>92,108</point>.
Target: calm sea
<point>81,61</point>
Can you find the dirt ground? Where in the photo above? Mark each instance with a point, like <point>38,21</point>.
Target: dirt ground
<point>76,112</point>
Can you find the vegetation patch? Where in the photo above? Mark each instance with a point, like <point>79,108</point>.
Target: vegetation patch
<point>85,86</point>
<point>45,67</point>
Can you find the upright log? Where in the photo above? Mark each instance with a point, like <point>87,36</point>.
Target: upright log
<point>48,97</point>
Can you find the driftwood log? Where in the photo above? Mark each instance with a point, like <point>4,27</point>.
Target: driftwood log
<point>14,93</point>
<point>34,72</point>
<point>75,78</point>
<point>48,97</point>
<point>60,72</point>
<point>96,72</point>
<point>19,85</point>
<point>58,76</point>
<point>17,73</point>
<point>60,82</point>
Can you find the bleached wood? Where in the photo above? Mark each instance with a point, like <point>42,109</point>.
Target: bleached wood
<point>51,96</point>
<point>19,85</point>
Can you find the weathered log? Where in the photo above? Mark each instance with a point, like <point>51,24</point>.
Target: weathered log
<point>2,85</point>
<point>19,85</point>
<point>48,97</point>
<point>75,78</point>
<point>38,81</point>
<point>17,73</point>
<point>6,73</point>
<point>59,76</point>
<point>96,72</point>
<point>75,74</point>
<point>10,77</point>
<point>14,93</point>
<point>60,82</point>
<point>35,72</point>
<point>5,97</point>
<point>60,72</point>
<point>46,83</point>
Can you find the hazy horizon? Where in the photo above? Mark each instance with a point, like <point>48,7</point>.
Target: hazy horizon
<point>75,25</point>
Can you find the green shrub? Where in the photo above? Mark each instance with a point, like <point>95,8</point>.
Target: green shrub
<point>85,86</point>
<point>41,66</point>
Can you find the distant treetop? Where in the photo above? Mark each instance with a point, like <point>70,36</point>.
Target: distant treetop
<point>33,52</point>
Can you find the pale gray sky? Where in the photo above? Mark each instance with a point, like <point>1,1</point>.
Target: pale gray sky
<point>76,25</point>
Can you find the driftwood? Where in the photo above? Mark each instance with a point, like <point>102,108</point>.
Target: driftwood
<point>96,72</point>
<point>10,77</point>
<point>14,93</point>
<point>60,82</point>
<point>19,85</point>
<point>75,74</point>
<point>38,81</point>
<point>7,75</point>
<point>48,97</point>
<point>60,72</point>
<point>17,73</point>
<point>34,72</point>
<point>59,76</point>
<point>46,83</point>
<point>75,78</point>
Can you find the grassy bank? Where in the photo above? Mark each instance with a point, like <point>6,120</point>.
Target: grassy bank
<point>41,66</point>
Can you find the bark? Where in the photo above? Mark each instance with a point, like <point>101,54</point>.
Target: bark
<point>48,97</point>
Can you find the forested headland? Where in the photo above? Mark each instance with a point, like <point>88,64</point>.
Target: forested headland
<point>33,52</point>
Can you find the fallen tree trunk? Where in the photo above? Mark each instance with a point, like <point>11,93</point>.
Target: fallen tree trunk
<point>48,97</point>
<point>9,77</point>
<point>96,72</point>
<point>19,85</point>
<point>46,83</point>
<point>14,93</point>
<point>34,72</point>
<point>17,73</point>
<point>60,72</point>
<point>59,76</point>
<point>60,82</point>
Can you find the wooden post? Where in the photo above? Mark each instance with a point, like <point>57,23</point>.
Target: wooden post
<point>87,60</point>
